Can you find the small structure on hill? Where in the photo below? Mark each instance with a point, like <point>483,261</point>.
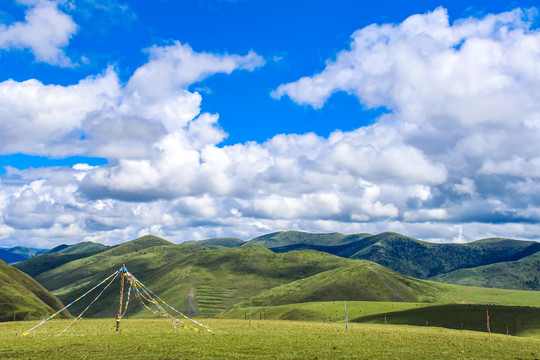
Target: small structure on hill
<point>146,298</point>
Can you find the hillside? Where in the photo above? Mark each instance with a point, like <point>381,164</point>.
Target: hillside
<point>216,278</point>
<point>403,254</point>
<point>22,298</point>
<point>82,247</point>
<point>521,274</point>
<point>367,281</point>
<point>291,238</point>
<point>208,280</point>
<point>225,242</point>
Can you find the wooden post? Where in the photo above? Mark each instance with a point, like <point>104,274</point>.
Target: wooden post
<point>119,314</point>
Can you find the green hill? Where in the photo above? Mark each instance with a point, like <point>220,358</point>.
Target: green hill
<point>58,256</point>
<point>291,238</point>
<point>225,242</point>
<point>423,260</point>
<point>404,254</point>
<point>217,278</point>
<point>209,280</point>
<point>82,247</point>
<point>521,274</point>
<point>22,298</point>
<point>367,281</point>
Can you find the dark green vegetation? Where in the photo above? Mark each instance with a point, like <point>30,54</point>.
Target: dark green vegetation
<point>421,259</point>
<point>21,297</point>
<point>521,274</point>
<point>234,339</point>
<point>517,320</point>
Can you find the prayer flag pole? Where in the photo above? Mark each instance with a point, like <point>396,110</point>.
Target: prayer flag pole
<point>119,314</point>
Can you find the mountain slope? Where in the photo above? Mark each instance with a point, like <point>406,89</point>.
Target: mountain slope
<point>522,274</point>
<point>404,254</point>
<point>22,298</point>
<point>225,242</point>
<point>289,238</point>
<point>208,280</point>
<point>214,278</point>
<point>367,281</point>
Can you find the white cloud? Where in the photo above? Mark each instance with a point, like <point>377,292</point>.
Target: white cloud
<point>458,147</point>
<point>45,32</point>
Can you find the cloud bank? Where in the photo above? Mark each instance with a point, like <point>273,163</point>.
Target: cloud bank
<point>455,157</point>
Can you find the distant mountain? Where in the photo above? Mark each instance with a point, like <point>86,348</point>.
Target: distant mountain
<point>9,257</point>
<point>523,274</point>
<point>58,256</point>
<point>16,254</point>
<point>225,242</point>
<point>24,251</point>
<point>401,253</point>
<point>23,298</point>
<point>82,247</point>
<point>296,238</point>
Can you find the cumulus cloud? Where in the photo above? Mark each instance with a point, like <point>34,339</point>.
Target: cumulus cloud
<point>45,31</point>
<point>454,159</point>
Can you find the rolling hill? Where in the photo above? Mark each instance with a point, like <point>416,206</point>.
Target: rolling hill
<point>22,298</point>
<point>400,253</point>
<point>58,256</point>
<point>520,274</point>
<point>225,242</point>
<point>209,280</point>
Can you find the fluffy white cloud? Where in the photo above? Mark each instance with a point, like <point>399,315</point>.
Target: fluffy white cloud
<point>45,31</point>
<point>454,159</point>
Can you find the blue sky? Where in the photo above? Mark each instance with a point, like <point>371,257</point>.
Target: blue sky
<point>195,119</point>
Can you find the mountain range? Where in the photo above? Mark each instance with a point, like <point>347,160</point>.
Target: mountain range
<point>208,280</point>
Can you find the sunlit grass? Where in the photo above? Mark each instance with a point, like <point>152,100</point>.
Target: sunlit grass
<point>235,339</point>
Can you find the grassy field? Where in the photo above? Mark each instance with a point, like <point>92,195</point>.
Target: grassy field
<point>234,339</point>
<point>320,311</point>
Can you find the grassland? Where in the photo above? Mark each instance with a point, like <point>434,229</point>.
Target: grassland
<point>330,311</point>
<point>234,339</point>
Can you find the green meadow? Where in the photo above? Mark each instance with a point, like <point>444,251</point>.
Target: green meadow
<point>264,339</point>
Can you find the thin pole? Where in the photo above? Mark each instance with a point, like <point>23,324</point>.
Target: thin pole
<point>250,316</point>
<point>118,315</point>
<point>346,316</point>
